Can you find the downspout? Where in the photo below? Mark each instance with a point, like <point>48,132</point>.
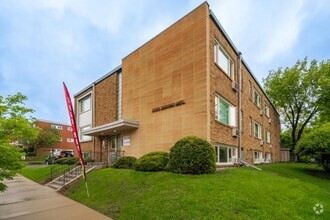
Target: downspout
<point>93,116</point>
<point>239,104</point>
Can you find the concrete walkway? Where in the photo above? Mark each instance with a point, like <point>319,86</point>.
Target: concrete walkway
<point>27,200</point>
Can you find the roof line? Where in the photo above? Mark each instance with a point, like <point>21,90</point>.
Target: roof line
<point>205,2</point>
<point>52,122</point>
<point>98,80</point>
<point>237,53</point>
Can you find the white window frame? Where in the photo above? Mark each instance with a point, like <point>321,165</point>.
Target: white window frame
<point>255,92</point>
<point>70,140</point>
<point>81,101</point>
<point>266,110</point>
<point>229,70</point>
<point>231,111</point>
<point>259,135</point>
<point>267,136</point>
<point>84,138</point>
<point>69,128</point>
<point>258,157</point>
<point>231,154</point>
<point>58,127</point>
<point>250,89</point>
<point>268,157</point>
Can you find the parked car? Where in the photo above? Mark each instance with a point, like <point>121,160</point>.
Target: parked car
<point>66,153</point>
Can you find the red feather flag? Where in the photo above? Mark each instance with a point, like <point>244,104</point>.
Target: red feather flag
<point>75,133</point>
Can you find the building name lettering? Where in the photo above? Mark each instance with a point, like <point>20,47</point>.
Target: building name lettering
<point>171,105</point>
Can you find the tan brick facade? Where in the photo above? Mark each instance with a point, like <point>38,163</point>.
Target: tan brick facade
<point>177,66</point>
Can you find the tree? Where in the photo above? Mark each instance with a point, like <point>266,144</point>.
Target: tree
<point>15,125</point>
<point>300,93</point>
<point>316,144</point>
<point>47,137</point>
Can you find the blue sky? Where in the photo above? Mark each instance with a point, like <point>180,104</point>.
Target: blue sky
<point>46,42</point>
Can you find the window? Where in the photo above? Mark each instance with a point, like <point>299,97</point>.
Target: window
<point>86,154</point>
<point>268,157</point>
<point>226,154</point>
<point>85,104</point>
<point>242,122</point>
<point>258,157</point>
<point>85,137</point>
<point>58,127</point>
<point>250,89</point>
<point>257,130</point>
<point>250,126</point>
<point>224,112</point>
<point>223,60</point>
<point>267,136</point>
<point>69,139</point>
<point>256,98</point>
<point>84,116</point>
<point>60,139</point>
<point>266,110</point>
<point>69,128</point>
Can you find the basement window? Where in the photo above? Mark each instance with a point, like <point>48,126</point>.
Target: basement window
<point>226,154</point>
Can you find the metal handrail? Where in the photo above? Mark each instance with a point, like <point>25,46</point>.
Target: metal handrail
<point>59,170</point>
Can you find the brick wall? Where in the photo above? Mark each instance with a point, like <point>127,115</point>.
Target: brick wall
<point>64,133</point>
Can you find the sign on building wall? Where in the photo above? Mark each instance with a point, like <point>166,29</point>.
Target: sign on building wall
<point>126,141</point>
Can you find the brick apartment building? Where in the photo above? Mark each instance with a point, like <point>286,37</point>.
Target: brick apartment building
<point>66,141</point>
<point>188,80</point>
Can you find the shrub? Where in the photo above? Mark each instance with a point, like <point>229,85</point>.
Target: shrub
<point>87,160</point>
<point>67,160</point>
<point>154,161</point>
<point>31,154</point>
<point>192,155</point>
<point>125,163</point>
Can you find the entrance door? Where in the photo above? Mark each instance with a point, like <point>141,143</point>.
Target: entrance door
<point>114,148</point>
<point>242,153</point>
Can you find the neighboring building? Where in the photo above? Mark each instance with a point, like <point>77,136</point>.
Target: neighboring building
<point>66,141</point>
<point>285,154</point>
<point>185,81</point>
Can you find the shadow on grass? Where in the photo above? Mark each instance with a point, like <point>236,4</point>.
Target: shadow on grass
<point>315,172</point>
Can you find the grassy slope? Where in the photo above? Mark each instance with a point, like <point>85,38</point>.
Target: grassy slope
<point>281,191</point>
<point>39,174</point>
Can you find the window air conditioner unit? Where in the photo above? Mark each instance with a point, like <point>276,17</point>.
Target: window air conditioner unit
<point>260,111</point>
<point>261,142</point>
<point>235,132</point>
<point>269,121</point>
<point>234,86</point>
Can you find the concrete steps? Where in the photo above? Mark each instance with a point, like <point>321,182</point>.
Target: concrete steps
<point>68,177</point>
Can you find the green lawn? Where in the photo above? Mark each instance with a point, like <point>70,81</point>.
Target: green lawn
<point>280,191</point>
<point>38,173</point>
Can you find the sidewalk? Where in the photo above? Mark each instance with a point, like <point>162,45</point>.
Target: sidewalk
<point>27,200</point>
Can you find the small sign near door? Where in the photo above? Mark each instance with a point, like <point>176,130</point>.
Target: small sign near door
<point>126,140</point>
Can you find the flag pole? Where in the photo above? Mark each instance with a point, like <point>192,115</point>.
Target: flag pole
<point>75,134</point>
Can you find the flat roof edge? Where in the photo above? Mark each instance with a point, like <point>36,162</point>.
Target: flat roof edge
<point>98,80</point>
<point>237,52</point>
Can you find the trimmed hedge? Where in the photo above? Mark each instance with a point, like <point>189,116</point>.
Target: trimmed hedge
<point>125,163</point>
<point>67,160</point>
<point>154,161</point>
<point>192,155</point>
